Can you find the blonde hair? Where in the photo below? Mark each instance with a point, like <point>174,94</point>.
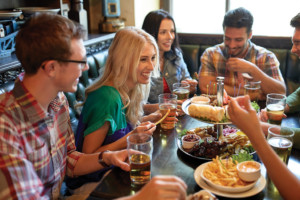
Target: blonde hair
<point>124,54</point>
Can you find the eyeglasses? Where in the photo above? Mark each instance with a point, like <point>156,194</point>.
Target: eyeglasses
<point>82,63</point>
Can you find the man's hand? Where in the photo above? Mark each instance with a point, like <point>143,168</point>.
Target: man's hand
<point>240,65</point>
<point>117,158</point>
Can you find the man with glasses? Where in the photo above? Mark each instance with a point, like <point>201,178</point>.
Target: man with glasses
<point>239,60</point>
<point>37,145</point>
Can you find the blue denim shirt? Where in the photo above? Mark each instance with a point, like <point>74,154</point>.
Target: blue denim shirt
<point>174,71</point>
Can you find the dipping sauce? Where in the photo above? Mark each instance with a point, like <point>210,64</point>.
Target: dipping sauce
<point>249,167</point>
<point>191,138</point>
<point>200,100</point>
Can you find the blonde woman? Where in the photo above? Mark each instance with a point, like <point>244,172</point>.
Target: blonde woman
<point>113,107</point>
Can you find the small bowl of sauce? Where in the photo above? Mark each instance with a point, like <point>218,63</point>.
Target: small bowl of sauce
<point>200,100</point>
<point>188,141</point>
<point>249,171</point>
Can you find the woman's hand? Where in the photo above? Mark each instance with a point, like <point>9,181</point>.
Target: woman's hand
<point>163,187</point>
<point>179,111</point>
<point>153,117</point>
<point>145,127</point>
<point>243,115</point>
<point>193,85</point>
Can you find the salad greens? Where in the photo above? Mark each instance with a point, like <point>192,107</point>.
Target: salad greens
<point>255,106</point>
<point>183,132</point>
<point>243,156</point>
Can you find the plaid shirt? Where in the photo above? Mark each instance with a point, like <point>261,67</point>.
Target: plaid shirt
<point>37,148</point>
<point>213,63</point>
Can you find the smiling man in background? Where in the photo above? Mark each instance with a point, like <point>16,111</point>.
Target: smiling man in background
<point>239,60</point>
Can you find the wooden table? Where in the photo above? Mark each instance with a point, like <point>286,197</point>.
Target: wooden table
<point>169,160</point>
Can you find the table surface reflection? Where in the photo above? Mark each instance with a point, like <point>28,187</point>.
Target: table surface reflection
<point>169,160</point>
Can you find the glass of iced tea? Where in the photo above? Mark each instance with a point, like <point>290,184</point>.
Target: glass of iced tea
<point>182,90</point>
<point>168,103</point>
<point>275,107</point>
<point>253,90</point>
<point>140,148</point>
<point>281,141</point>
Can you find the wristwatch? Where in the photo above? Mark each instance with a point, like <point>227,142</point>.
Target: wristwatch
<point>101,161</point>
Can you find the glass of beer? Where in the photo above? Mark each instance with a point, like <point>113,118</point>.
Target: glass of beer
<point>182,90</point>
<point>168,103</point>
<point>281,141</point>
<point>275,107</point>
<point>140,148</point>
<point>253,90</point>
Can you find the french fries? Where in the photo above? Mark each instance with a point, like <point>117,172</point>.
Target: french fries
<point>224,173</point>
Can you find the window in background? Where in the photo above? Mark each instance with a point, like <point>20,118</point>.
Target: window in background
<point>198,16</point>
<point>271,17</point>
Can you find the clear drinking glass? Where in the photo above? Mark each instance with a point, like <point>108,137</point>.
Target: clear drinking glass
<point>281,141</point>
<point>182,90</point>
<point>140,148</point>
<point>168,103</point>
<point>253,90</point>
<point>275,107</point>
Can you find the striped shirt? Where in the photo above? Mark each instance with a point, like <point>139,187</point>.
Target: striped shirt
<point>37,148</point>
<point>213,63</point>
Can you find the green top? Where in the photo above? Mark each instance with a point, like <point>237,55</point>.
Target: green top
<point>293,100</point>
<point>104,104</point>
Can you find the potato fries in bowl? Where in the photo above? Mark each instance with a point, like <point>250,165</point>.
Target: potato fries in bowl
<point>223,175</point>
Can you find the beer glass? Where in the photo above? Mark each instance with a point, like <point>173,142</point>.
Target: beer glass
<point>253,90</point>
<point>281,141</point>
<point>275,107</point>
<point>168,103</point>
<point>140,148</point>
<point>182,90</point>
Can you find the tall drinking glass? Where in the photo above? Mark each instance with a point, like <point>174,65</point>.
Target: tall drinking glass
<point>182,90</point>
<point>253,90</point>
<point>168,103</point>
<point>281,141</point>
<point>140,148</point>
<point>275,107</point>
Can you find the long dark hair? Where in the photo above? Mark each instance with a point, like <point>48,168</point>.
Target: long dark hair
<point>152,23</point>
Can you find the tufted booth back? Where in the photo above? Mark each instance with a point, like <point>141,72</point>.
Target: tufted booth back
<point>96,62</point>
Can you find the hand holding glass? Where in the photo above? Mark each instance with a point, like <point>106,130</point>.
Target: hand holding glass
<point>275,107</point>
<point>182,90</point>
<point>140,148</point>
<point>168,102</point>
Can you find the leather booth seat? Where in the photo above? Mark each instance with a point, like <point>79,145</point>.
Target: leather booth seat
<point>96,64</point>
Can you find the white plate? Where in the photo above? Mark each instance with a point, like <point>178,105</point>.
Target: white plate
<point>185,106</point>
<point>258,187</point>
<point>227,188</point>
